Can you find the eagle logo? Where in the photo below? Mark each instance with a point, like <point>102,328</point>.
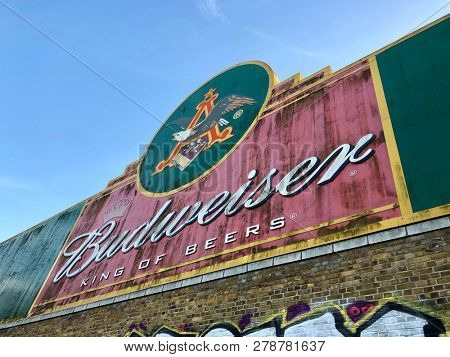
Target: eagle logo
<point>226,105</point>
<point>206,128</point>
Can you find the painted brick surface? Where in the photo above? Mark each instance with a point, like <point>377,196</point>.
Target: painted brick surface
<point>26,259</point>
<point>322,326</point>
<point>395,324</point>
<point>397,287</point>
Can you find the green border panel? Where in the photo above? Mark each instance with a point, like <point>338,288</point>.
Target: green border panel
<point>416,81</point>
<point>26,259</point>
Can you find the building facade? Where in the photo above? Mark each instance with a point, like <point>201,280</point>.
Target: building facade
<point>317,206</point>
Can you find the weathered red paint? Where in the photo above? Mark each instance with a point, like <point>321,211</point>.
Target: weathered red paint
<point>338,110</point>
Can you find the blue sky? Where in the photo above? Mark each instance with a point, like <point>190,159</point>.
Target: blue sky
<point>64,133</point>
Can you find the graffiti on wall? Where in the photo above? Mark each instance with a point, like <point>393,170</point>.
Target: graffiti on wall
<point>359,319</point>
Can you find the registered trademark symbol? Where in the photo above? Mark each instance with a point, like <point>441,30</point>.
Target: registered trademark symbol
<point>238,114</point>
<point>353,173</point>
<point>293,216</point>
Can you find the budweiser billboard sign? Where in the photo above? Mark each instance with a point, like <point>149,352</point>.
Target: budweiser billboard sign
<point>239,172</point>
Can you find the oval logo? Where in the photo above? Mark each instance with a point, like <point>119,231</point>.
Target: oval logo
<point>205,129</point>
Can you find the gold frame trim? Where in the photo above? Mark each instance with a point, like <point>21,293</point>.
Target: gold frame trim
<point>394,156</point>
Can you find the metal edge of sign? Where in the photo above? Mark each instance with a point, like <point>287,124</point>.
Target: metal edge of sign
<point>272,80</point>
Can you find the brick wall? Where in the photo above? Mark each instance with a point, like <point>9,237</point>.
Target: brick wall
<point>398,287</point>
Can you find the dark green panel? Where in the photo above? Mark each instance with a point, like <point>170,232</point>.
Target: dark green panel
<point>416,81</point>
<point>26,259</point>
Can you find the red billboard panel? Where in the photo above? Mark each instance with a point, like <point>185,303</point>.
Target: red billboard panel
<point>268,177</point>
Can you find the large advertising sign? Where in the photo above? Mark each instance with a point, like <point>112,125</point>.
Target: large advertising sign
<point>240,171</point>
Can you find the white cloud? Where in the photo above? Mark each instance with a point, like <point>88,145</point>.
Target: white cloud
<point>211,9</point>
